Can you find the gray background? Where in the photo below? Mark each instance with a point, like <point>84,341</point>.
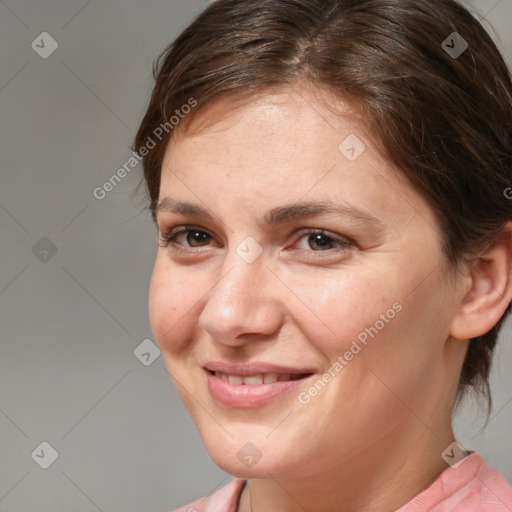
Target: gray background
<point>70,324</point>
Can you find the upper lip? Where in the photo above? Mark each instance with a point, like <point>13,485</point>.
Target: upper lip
<point>254,368</point>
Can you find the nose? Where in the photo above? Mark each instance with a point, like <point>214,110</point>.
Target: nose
<point>244,304</point>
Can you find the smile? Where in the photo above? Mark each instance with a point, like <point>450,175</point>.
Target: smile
<point>249,387</point>
<point>257,380</point>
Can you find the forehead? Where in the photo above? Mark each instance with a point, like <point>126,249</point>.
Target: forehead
<point>279,134</point>
<point>271,109</point>
<point>285,144</point>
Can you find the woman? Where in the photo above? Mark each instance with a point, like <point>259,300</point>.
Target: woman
<point>328,181</point>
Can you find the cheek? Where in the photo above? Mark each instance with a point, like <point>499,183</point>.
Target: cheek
<point>172,296</point>
<point>401,336</point>
<point>341,305</point>
<point>373,321</point>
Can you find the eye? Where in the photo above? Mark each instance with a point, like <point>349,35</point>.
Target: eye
<point>320,241</point>
<point>185,236</point>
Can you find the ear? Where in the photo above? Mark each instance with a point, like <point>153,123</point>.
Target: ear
<point>489,289</point>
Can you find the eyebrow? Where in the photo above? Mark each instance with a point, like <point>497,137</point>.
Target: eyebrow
<point>275,216</point>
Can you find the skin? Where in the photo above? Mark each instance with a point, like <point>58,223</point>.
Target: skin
<point>372,438</point>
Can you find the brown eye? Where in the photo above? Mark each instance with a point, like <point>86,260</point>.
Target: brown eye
<point>185,236</point>
<point>195,238</point>
<point>319,241</point>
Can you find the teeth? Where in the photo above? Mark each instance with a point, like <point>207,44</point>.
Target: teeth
<point>253,380</point>
<point>235,380</point>
<point>270,378</point>
<point>256,380</point>
<point>222,376</point>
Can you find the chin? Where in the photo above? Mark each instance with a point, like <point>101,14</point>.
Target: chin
<point>245,460</point>
<point>232,466</point>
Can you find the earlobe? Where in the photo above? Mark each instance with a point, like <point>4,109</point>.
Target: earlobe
<point>490,290</point>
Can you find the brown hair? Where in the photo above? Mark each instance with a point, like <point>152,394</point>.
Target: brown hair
<point>444,120</point>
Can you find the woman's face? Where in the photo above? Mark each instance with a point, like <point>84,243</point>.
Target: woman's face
<point>310,262</point>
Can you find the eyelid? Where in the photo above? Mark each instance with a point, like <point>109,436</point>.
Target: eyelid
<point>164,235</point>
<point>344,242</point>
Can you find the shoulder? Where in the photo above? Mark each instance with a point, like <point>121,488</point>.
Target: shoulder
<point>489,487</point>
<point>471,486</point>
<point>224,499</point>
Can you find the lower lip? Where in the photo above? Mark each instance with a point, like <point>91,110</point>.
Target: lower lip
<point>245,396</point>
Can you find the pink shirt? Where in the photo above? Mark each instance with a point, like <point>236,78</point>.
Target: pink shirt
<point>471,487</point>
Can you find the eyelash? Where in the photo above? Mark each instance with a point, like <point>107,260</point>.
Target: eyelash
<point>167,238</point>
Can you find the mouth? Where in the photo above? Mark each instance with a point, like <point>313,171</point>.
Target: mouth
<point>252,386</point>
<point>259,379</point>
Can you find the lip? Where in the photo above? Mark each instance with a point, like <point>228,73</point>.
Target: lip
<point>247,397</point>
<point>253,368</point>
